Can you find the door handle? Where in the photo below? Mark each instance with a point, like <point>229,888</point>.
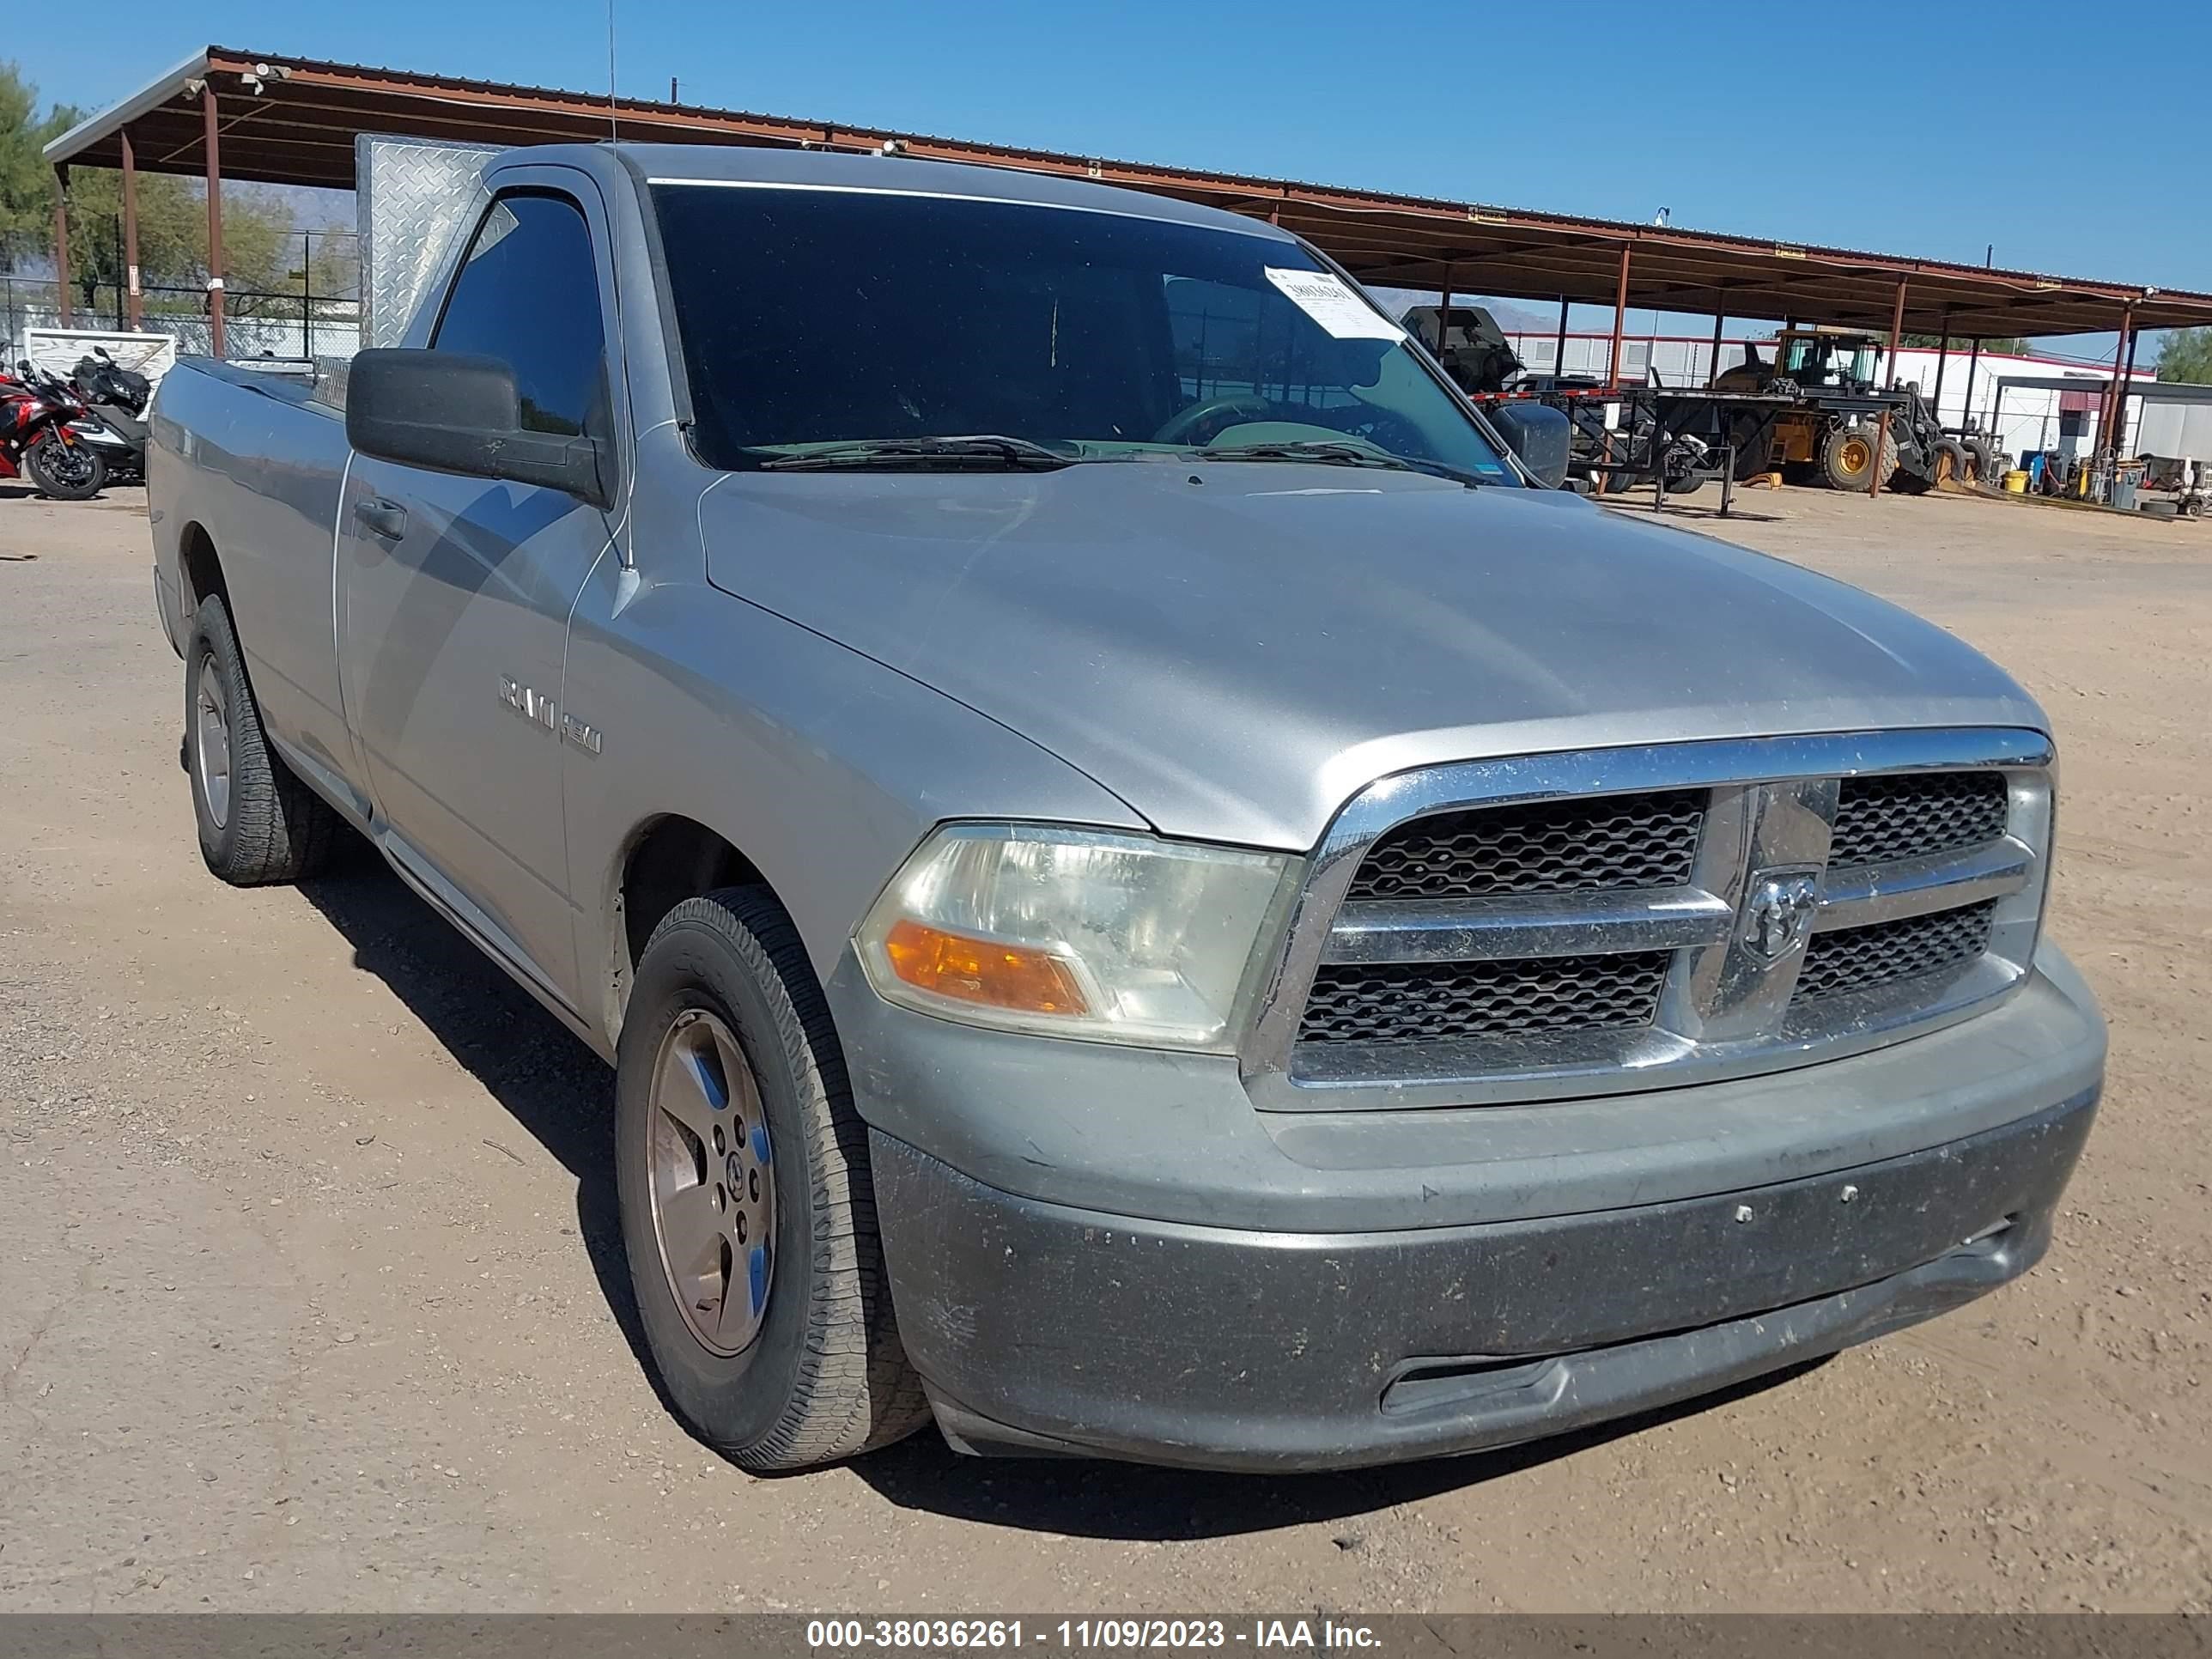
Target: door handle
<point>383,518</point>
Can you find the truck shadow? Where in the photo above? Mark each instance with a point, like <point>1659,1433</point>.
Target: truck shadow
<point>560,1092</point>
<point>554,1087</point>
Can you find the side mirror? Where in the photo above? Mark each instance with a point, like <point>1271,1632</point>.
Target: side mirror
<point>453,412</point>
<point>1540,434</point>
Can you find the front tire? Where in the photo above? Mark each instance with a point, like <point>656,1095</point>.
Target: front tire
<point>66,472</point>
<point>1850,456</point>
<point>747,1210</point>
<point>258,822</point>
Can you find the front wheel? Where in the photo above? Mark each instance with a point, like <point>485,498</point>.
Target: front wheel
<point>747,1210</point>
<point>66,471</point>
<point>1849,458</point>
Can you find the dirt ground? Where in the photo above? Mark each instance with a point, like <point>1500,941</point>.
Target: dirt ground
<point>309,1286</point>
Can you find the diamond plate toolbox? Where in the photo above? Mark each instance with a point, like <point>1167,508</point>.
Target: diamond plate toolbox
<point>412,196</point>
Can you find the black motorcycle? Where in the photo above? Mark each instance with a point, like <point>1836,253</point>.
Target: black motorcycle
<point>116,400</point>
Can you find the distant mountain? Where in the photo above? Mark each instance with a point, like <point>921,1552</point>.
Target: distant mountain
<point>1512,315</point>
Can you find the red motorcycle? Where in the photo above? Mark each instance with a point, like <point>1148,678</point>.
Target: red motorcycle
<point>39,438</point>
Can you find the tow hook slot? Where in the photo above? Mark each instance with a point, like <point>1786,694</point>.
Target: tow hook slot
<point>1425,1384</point>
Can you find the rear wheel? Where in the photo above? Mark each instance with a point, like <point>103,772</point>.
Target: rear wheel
<point>258,822</point>
<point>1681,466</point>
<point>1849,457</point>
<point>747,1210</point>
<point>66,471</point>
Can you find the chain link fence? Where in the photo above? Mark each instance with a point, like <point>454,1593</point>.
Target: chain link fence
<point>257,324</point>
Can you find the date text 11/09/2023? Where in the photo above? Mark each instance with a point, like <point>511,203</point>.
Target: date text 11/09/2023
<point>1086,1635</point>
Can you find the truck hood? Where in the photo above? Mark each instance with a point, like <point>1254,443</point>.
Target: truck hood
<point>1234,649</point>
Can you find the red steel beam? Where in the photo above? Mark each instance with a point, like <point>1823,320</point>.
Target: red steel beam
<point>2127,374</point>
<point>133,302</point>
<point>1896,337</point>
<point>61,309</point>
<point>214,219</point>
<point>1620,315</point>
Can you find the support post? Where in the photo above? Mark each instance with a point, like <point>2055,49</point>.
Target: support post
<point>1444,311</point>
<point>2108,436</point>
<point>1620,317</point>
<point>1896,332</point>
<point>1880,448</point>
<point>1559,351</point>
<point>2127,375</point>
<point>214,220</point>
<point>1943,357</point>
<point>133,301</point>
<point>62,307</point>
<point>1973,361</point>
<point>1713,363</point>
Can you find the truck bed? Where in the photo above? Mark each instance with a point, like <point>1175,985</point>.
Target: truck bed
<point>253,463</point>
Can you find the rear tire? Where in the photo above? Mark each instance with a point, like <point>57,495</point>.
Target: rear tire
<point>66,472</point>
<point>776,1345</point>
<point>1682,465</point>
<point>258,822</point>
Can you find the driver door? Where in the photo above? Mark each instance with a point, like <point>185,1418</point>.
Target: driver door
<point>457,591</point>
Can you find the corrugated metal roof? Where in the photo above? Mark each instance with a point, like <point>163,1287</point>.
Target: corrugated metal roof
<point>293,121</point>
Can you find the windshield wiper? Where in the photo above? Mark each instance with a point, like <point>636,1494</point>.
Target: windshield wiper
<point>987,450</point>
<point>1328,453</point>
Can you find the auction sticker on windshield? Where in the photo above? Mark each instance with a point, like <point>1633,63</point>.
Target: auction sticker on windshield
<point>1322,296</point>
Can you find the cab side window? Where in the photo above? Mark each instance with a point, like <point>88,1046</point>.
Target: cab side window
<point>529,295</point>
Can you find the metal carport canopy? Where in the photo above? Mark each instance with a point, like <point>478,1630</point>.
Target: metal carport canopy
<point>293,121</point>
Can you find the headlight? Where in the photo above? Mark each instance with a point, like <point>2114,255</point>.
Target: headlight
<point>1072,932</point>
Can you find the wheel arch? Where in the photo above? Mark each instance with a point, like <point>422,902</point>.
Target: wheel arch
<point>667,858</point>
<point>199,571</point>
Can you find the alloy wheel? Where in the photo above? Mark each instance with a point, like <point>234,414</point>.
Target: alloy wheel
<point>211,750</point>
<point>711,1172</point>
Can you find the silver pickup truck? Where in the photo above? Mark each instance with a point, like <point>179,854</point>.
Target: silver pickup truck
<point>1149,889</point>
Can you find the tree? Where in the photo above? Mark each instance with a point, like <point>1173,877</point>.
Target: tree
<point>261,251</point>
<point>26,183</point>
<point>2187,355</point>
<point>2007,344</point>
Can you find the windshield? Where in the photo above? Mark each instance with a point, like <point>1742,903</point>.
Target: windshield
<point>811,317</point>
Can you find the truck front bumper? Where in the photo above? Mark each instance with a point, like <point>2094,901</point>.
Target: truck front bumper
<point>1110,1251</point>
<point>1040,1328</point>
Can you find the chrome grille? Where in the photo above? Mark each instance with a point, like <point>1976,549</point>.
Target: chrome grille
<point>1879,820</point>
<point>1620,841</point>
<point>1429,1002</point>
<point>1591,922</point>
<point>1860,959</point>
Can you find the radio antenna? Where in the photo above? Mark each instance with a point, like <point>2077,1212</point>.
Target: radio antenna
<point>614,128</point>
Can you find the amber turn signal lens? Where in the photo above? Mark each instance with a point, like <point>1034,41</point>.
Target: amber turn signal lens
<point>978,970</point>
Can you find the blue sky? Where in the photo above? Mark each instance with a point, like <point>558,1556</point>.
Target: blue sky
<point>2074,147</point>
